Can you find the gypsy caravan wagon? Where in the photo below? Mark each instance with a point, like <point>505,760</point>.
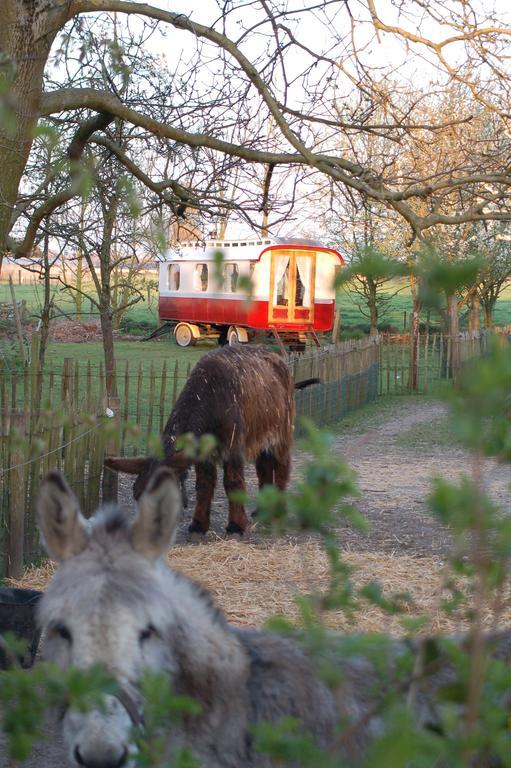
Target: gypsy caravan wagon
<point>292,289</point>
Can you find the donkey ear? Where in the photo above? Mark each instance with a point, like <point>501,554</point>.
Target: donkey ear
<point>154,528</point>
<point>133,465</point>
<point>61,524</point>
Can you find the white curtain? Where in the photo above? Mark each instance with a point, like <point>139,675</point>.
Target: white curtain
<point>174,277</point>
<point>304,266</point>
<point>280,265</point>
<point>231,274</point>
<point>200,277</point>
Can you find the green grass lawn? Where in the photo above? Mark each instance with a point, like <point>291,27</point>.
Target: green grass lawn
<point>351,314</point>
<point>376,413</point>
<point>422,438</point>
<point>427,437</point>
<point>134,353</point>
<point>143,317</point>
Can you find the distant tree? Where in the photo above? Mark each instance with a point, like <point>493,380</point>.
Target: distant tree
<point>372,279</point>
<point>108,246</point>
<point>494,276</point>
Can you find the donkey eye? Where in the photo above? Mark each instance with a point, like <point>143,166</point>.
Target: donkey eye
<point>148,632</point>
<point>62,631</point>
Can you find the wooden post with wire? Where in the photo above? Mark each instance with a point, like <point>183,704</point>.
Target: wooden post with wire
<point>16,483</point>
<point>337,325</point>
<point>17,321</point>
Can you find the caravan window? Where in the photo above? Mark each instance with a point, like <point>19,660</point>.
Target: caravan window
<point>231,275</point>
<point>200,277</point>
<point>174,277</point>
<point>282,264</point>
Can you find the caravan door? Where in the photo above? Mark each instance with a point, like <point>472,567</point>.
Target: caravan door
<point>292,283</point>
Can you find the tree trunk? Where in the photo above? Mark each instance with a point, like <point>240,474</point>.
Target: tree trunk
<point>45,314</point>
<point>109,206</point>
<point>413,379</point>
<point>79,284</point>
<point>488,316</point>
<point>373,318</point>
<point>105,315</point>
<point>453,332</point>
<point>264,225</point>
<point>453,325</point>
<point>473,318</point>
<point>27,31</point>
<point>413,376</point>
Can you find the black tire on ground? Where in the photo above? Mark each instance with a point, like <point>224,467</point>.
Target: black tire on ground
<point>222,339</point>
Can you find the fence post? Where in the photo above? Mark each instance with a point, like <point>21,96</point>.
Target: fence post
<point>16,514</point>
<point>335,329</point>
<point>67,380</point>
<point>109,486</point>
<point>17,321</point>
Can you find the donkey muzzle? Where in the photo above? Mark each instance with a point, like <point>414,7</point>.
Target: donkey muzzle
<point>102,738</point>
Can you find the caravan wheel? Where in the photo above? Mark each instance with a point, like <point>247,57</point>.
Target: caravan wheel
<point>236,335</point>
<point>184,335</point>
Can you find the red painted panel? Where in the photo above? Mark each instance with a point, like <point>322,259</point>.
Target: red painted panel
<point>234,312</point>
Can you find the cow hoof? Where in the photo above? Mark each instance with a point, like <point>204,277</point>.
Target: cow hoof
<point>197,528</point>
<point>233,529</point>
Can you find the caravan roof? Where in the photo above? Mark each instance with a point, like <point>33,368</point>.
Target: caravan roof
<point>239,250</point>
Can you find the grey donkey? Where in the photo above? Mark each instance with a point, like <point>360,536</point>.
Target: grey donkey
<point>114,600</point>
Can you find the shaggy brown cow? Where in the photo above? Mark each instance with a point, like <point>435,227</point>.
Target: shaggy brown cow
<point>244,397</point>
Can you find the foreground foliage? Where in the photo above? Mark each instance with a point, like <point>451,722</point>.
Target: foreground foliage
<point>472,714</point>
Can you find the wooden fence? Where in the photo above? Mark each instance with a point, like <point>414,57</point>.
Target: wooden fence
<point>29,447</point>
<point>439,358</point>
<point>62,419</point>
<point>348,374</point>
<point>146,393</point>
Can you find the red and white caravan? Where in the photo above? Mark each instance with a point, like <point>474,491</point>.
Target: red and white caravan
<point>292,286</point>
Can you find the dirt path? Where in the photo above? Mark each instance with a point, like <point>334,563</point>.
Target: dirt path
<point>394,483</point>
<point>394,479</point>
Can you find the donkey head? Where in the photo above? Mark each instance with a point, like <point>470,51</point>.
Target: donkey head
<point>108,604</point>
<point>144,467</point>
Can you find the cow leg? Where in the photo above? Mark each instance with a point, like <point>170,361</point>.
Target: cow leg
<point>234,481</point>
<point>205,481</point>
<point>264,468</point>
<point>282,466</point>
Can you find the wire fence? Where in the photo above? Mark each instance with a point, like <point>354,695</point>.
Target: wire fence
<point>434,358</point>
<point>348,379</point>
